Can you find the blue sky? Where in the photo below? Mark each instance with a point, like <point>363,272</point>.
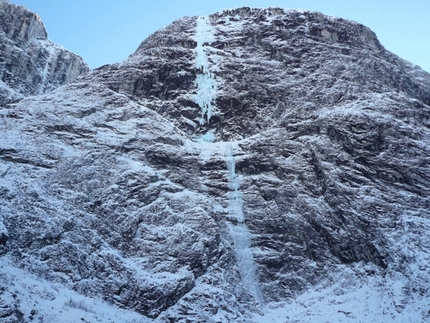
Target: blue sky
<point>108,31</point>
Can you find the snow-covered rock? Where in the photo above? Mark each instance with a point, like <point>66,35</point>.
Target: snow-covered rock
<point>30,64</point>
<point>303,196</point>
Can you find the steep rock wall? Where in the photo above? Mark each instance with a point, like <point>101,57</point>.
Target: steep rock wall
<point>30,63</point>
<point>113,187</point>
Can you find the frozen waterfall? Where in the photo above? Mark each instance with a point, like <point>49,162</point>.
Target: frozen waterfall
<point>207,88</point>
<point>206,82</point>
<point>240,233</point>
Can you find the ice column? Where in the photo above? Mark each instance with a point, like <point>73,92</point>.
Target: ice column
<point>240,233</point>
<point>206,83</point>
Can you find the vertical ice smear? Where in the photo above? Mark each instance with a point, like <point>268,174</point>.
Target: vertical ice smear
<point>240,233</point>
<point>235,195</point>
<point>206,83</point>
<point>49,59</point>
<point>204,35</point>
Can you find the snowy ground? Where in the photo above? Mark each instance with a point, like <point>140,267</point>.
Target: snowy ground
<point>369,299</point>
<point>41,301</point>
<point>352,299</point>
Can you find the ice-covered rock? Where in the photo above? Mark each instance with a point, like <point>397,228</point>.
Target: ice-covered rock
<point>311,174</point>
<point>30,64</point>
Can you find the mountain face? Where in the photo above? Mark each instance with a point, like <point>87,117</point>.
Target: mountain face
<point>254,165</point>
<point>30,63</point>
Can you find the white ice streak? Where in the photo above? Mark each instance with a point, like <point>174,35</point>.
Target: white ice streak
<point>240,233</point>
<point>46,70</point>
<point>205,35</point>
<point>206,82</point>
<point>235,195</point>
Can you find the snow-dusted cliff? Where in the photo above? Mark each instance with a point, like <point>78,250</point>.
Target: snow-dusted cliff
<point>255,165</point>
<point>30,64</point>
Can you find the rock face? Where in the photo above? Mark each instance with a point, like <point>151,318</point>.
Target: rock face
<point>30,64</point>
<point>252,165</point>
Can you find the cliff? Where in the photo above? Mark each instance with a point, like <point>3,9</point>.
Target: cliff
<point>30,64</point>
<point>247,166</point>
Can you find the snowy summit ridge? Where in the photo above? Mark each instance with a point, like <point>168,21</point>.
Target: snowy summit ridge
<point>253,165</point>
